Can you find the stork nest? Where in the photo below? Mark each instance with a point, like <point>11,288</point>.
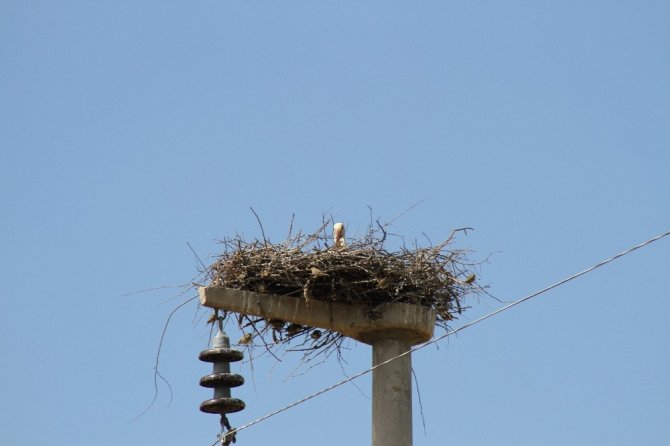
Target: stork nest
<point>306,266</point>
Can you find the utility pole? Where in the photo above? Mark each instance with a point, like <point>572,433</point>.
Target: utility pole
<point>393,330</point>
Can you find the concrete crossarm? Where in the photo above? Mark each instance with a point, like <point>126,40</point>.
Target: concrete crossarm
<point>412,323</point>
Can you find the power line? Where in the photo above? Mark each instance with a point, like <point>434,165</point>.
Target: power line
<point>448,333</point>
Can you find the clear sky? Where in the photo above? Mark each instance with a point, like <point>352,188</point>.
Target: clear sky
<point>128,129</point>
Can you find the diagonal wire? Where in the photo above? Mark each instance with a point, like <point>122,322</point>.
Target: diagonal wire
<point>448,333</point>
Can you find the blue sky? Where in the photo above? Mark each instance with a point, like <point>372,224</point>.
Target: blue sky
<point>128,129</point>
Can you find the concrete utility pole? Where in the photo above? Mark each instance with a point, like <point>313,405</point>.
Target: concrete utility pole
<point>398,327</point>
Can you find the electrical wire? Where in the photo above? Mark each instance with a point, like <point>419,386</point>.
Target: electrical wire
<point>448,333</point>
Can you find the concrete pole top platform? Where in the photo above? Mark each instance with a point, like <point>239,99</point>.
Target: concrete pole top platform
<point>365,323</point>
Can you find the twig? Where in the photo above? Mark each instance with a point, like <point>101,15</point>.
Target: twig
<point>290,227</point>
<point>158,354</point>
<point>265,240</point>
<point>405,211</point>
<point>205,270</point>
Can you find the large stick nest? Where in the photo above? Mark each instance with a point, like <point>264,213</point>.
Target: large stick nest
<point>307,266</point>
<point>360,272</point>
